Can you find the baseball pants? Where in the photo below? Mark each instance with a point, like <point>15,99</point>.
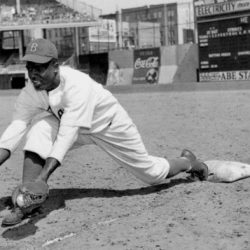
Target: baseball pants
<point>121,140</point>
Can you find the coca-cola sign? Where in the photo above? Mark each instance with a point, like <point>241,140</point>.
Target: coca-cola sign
<point>146,66</point>
<point>151,62</point>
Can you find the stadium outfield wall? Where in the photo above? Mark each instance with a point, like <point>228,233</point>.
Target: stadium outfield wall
<point>175,64</point>
<point>178,63</point>
<point>120,70</point>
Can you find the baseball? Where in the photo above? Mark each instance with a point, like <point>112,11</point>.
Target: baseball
<point>20,200</point>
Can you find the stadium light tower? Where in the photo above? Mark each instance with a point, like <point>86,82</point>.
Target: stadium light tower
<point>20,37</point>
<point>18,7</point>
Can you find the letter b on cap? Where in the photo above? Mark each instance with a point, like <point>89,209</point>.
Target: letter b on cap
<point>33,47</point>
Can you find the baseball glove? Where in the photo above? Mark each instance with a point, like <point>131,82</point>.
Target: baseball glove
<point>30,195</point>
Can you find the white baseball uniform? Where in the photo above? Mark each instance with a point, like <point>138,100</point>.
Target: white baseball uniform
<point>80,111</point>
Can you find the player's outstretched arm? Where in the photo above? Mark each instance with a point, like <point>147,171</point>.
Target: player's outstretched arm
<point>4,155</point>
<point>50,166</point>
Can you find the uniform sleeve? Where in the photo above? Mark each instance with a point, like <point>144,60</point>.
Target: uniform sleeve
<point>66,137</point>
<point>25,109</point>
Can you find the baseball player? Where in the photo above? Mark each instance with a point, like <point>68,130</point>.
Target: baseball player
<point>76,111</point>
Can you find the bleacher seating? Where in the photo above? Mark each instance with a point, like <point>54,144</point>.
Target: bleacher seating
<point>38,12</point>
<point>42,12</point>
<point>3,58</point>
<point>8,57</point>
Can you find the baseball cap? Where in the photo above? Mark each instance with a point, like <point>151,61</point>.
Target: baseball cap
<point>40,51</point>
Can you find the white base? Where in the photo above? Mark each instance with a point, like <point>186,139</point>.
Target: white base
<point>227,171</point>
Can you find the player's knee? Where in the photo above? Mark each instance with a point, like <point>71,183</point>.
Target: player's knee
<point>153,180</point>
<point>150,178</point>
<point>156,172</point>
<point>45,127</point>
<point>41,136</point>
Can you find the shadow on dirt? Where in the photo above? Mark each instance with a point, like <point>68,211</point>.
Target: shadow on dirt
<point>57,200</point>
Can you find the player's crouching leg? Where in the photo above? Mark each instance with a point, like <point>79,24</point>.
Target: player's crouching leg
<point>39,141</point>
<point>153,171</point>
<point>41,136</point>
<point>161,168</point>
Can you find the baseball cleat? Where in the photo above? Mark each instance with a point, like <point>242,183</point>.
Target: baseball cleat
<point>188,154</point>
<point>199,170</point>
<point>13,218</point>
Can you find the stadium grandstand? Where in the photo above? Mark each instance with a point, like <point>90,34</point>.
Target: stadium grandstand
<point>20,20</point>
<point>44,12</point>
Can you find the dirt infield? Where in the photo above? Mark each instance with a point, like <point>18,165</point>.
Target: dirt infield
<point>95,204</point>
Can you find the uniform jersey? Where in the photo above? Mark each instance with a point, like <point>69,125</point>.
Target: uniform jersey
<point>78,102</point>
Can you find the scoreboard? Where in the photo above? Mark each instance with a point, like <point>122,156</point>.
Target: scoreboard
<point>224,46</point>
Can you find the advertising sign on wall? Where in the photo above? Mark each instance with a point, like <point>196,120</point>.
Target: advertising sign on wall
<point>221,8</point>
<point>146,66</point>
<point>237,75</point>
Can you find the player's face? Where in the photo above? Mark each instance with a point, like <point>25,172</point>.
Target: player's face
<point>43,76</point>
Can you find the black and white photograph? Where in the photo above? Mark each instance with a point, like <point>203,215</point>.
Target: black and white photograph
<point>124,125</point>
